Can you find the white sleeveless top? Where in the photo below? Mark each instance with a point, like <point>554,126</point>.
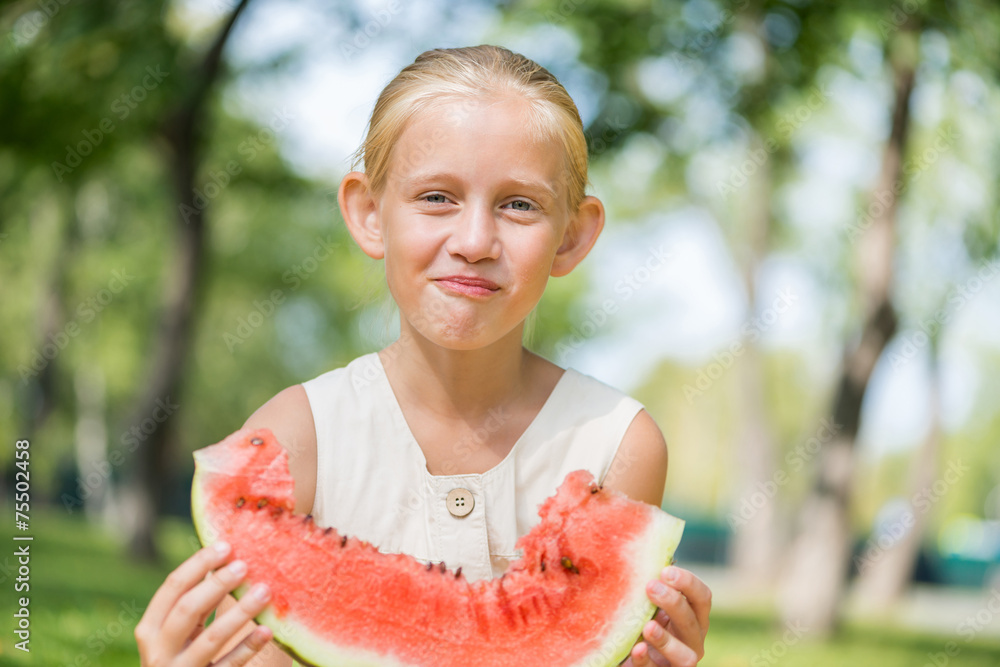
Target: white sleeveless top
<point>372,480</point>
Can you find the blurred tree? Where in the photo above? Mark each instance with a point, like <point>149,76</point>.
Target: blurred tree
<point>885,571</point>
<point>183,132</point>
<point>814,584</point>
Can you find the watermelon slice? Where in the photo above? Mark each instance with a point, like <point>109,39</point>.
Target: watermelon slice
<point>576,597</point>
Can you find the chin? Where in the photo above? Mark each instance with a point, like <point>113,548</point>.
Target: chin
<point>462,337</point>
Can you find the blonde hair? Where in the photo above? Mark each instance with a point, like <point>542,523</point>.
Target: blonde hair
<point>470,74</point>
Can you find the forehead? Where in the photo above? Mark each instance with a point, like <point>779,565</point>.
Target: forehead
<point>484,140</point>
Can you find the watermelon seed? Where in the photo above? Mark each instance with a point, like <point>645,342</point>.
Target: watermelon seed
<point>261,502</point>
<point>543,566</point>
<point>343,541</point>
<point>240,502</point>
<point>309,517</point>
<point>568,564</point>
<point>442,567</point>
<point>430,566</point>
<point>458,572</point>
<point>327,531</point>
<point>256,441</point>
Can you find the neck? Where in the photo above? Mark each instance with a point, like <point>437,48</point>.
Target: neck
<point>458,384</point>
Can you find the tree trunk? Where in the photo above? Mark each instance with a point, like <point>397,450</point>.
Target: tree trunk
<point>755,545</point>
<point>173,335</point>
<point>885,572</point>
<point>41,386</point>
<point>812,590</point>
<point>91,441</point>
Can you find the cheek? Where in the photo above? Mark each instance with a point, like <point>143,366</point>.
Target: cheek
<point>535,253</point>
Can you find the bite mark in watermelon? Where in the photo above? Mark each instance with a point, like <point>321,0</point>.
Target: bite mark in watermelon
<point>575,598</point>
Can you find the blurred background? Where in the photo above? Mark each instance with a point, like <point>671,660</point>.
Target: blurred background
<point>800,277</point>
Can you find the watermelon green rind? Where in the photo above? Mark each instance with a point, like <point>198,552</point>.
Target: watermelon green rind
<point>657,547</point>
<point>285,630</point>
<point>665,536</point>
<point>644,553</point>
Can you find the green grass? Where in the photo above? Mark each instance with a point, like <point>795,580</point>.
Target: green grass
<point>86,598</point>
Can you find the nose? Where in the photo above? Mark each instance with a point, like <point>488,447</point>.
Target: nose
<point>474,235</point>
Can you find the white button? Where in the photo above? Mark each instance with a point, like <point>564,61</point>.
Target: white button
<point>460,502</point>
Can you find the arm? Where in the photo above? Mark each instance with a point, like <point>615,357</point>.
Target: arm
<point>639,469</point>
<point>289,417</point>
<point>677,632</point>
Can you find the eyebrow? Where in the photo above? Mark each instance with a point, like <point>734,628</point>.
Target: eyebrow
<point>539,186</point>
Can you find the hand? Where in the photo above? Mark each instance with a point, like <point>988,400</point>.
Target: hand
<point>676,635</point>
<point>170,632</point>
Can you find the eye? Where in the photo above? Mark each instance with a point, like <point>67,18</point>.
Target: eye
<point>435,199</point>
<point>520,205</point>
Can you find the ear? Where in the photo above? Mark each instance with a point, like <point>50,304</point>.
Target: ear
<point>580,236</point>
<point>360,211</point>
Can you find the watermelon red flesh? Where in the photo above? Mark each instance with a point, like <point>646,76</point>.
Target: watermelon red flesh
<point>576,597</point>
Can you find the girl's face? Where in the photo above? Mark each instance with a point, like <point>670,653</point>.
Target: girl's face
<point>472,218</point>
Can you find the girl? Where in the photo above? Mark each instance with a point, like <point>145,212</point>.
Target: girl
<point>475,165</point>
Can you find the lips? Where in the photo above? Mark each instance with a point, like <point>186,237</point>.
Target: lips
<point>468,285</point>
<point>472,281</point>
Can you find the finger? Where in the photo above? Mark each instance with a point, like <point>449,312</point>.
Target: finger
<point>204,597</point>
<point>699,595</point>
<point>683,622</point>
<point>640,655</point>
<point>247,648</point>
<point>200,627</point>
<point>677,653</point>
<point>178,582</point>
<point>224,627</point>
<point>653,656</point>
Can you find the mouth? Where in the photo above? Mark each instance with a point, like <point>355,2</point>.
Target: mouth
<point>468,285</point>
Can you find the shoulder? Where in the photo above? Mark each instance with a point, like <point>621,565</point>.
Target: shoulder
<point>639,469</point>
<point>290,418</point>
